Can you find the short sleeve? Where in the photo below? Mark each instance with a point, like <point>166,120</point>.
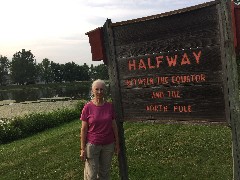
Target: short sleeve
<point>84,113</point>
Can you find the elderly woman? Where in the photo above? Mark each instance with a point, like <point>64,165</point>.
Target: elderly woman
<point>99,134</point>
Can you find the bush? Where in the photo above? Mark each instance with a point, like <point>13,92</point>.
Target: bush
<point>27,125</point>
<point>8,132</point>
<point>80,105</point>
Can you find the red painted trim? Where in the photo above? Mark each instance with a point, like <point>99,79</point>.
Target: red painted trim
<point>97,44</point>
<point>236,19</point>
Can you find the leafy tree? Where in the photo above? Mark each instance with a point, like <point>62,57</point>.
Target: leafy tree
<point>74,72</point>
<point>84,71</point>
<point>57,71</point>
<point>99,72</point>
<point>23,67</point>
<point>70,71</point>
<point>4,67</point>
<point>79,74</point>
<point>45,71</point>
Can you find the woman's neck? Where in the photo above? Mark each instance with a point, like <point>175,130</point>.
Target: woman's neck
<point>98,101</point>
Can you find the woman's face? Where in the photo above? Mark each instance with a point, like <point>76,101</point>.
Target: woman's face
<point>98,90</point>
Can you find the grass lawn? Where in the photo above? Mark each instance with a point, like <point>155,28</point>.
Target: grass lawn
<point>154,152</point>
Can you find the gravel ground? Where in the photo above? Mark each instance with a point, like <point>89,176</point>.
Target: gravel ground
<point>19,109</point>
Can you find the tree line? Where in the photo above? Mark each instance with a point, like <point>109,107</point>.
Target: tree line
<point>23,69</point>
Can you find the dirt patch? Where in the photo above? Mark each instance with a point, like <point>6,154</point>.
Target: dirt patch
<point>20,109</point>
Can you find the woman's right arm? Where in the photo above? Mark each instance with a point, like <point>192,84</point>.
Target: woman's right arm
<point>84,130</point>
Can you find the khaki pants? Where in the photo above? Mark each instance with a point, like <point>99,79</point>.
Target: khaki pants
<point>98,161</point>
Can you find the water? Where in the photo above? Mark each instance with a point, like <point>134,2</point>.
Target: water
<point>25,93</point>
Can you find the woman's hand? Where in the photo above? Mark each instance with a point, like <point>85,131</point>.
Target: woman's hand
<point>82,154</point>
<point>83,137</point>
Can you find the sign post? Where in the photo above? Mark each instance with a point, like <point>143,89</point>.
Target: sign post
<point>115,91</point>
<point>232,82</point>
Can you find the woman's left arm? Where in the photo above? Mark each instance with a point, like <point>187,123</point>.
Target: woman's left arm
<point>115,130</point>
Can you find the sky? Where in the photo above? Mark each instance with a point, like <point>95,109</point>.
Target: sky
<point>55,29</point>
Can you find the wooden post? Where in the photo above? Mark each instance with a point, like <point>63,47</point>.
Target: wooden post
<point>122,156</point>
<point>116,95</point>
<point>229,56</point>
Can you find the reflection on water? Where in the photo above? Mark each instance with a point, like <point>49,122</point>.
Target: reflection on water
<point>74,90</point>
<point>33,94</point>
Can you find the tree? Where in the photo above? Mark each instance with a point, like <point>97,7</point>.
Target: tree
<point>23,67</point>
<point>74,72</point>
<point>237,2</point>
<point>70,71</point>
<point>57,70</point>
<point>45,71</point>
<point>4,68</point>
<point>99,72</point>
<point>84,69</point>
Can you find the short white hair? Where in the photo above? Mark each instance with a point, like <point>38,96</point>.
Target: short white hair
<point>99,81</point>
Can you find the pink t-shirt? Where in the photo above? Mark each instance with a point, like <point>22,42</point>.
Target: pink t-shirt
<point>99,119</point>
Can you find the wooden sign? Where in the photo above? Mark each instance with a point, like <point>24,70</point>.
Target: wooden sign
<point>178,66</point>
<point>170,67</point>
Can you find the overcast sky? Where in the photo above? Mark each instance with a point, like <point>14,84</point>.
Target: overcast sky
<point>55,29</point>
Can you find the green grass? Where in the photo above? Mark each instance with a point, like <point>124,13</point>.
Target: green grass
<point>154,152</point>
<point>53,154</point>
<point>173,152</point>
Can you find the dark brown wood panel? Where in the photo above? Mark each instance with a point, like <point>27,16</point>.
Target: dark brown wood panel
<point>178,43</point>
<point>172,80</point>
<point>162,27</point>
<point>182,31</point>
<point>209,61</point>
<point>170,67</point>
<point>204,102</point>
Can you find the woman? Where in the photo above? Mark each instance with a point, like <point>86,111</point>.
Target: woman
<point>99,134</point>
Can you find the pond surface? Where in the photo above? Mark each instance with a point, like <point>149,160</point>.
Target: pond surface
<point>34,93</point>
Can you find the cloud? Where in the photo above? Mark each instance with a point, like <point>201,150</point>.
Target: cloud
<point>55,29</point>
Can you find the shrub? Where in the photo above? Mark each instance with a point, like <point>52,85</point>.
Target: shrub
<point>30,124</point>
<point>8,132</point>
<point>80,104</point>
